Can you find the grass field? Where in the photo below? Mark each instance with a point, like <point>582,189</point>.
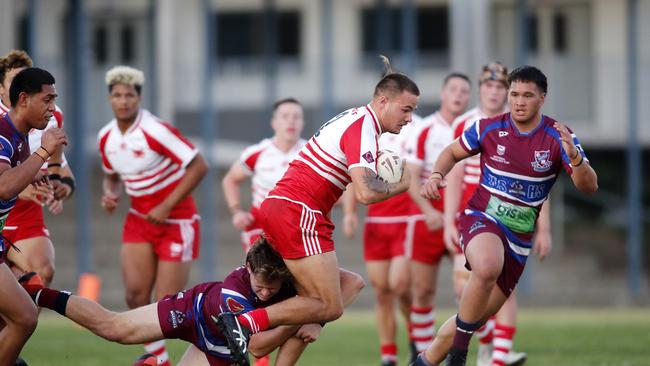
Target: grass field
<point>550,337</point>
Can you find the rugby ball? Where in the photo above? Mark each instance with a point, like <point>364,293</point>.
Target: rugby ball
<point>389,166</point>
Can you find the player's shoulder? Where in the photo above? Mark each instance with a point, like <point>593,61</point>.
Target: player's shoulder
<point>104,131</point>
<point>467,117</point>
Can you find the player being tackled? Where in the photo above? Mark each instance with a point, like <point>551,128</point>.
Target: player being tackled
<point>192,315</point>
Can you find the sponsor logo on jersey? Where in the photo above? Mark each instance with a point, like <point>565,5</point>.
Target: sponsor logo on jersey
<point>234,305</point>
<point>501,149</point>
<point>542,161</point>
<point>20,146</point>
<point>176,318</point>
<point>503,133</point>
<point>369,157</point>
<point>499,159</point>
<point>517,189</point>
<point>138,153</point>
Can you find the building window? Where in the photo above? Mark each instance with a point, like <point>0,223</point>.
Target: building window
<point>559,33</point>
<point>241,35</point>
<point>127,36</point>
<point>381,32</point>
<point>100,44</point>
<point>532,43</point>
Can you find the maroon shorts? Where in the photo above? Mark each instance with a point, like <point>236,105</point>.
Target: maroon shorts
<point>178,316</point>
<point>177,240</point>
<point>471,226</point>
<point>294,230</point>
<point>386,240</point>
<point>428,246</point>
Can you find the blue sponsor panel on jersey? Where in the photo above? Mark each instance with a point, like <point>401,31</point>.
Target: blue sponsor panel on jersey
<point>528,190</point>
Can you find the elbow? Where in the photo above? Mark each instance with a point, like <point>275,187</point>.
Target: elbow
<point>591,189</point>
<point>364,197</point>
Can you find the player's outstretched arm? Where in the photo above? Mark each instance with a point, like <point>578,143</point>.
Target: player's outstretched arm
<point>452,154</point>
<point>453,195</point>
<point>194,172</point>
<point>350,217</point>
<point>231,181</point>
<point>369,188</point>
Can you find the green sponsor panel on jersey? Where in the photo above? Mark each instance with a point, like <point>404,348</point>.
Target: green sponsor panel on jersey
<point>519,219</point>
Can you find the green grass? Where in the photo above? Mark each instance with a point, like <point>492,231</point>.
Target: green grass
<point>550,337</point>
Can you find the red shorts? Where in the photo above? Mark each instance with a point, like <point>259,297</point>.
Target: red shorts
<point>178,318</point>
<point>471,226</point>
<point>177,240</point>
<point>386,240</point>
<point>25,221</point>
<point>295,230</point>
<point>428,246</point>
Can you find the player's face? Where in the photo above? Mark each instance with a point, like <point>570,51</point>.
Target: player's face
<point>125,102</point>
<point>6,84</point>
<point>264,290</point>
<point>397,111</point>
<point>41,106</point>
<point>455,96</point>
<point>288,121</point>
<point>492,95</point>
<point>525,100</point>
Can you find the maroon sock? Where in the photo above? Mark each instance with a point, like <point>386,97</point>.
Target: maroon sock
<point>464,332</point>
<point>52,299</point>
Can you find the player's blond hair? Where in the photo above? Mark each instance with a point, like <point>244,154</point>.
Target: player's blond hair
<point>125,75</point>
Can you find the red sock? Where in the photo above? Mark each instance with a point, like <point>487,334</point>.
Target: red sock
<point>256,320</point>
<point>485,334</point>
<point>503,335</point>
<point>389,352</point>
<point>158,349</point>
<point>422,321</point>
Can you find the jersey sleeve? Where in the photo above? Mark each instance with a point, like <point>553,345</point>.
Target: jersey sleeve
<point>458,129</point>
<point>166,140</point>
<point>418,153</point>
<point>102,137</point>
<point>566,161</point>
<point>233,292</point>
<point>470,139</point>
<point>249,156</point>
<point>6,150</point>
<point>360,145</point>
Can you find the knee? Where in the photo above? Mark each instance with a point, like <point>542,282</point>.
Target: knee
<point>46,271</point>
<point>332,311</point>
<point>27,320</point>
<point>487,271</point>
<point>401,288</point>
<point>137,297</point>
<point>424,292</point>
<point>356,282</point>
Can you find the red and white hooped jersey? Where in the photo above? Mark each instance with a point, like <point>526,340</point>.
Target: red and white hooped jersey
<point>399,207</point>
<point>150,158</point>
<point>266,163</point>
<point>35,135</point>
<point>429,141</point>
<point>472,170</point>
<point>320,173</point>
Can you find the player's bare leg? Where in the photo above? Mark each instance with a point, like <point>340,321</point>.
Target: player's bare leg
<point>36,255</point>
<point>171,277</point>
<point>378,275</point>
<point>461,275</point>
<point>317,280</point>
<point>139,265</point>
<point>193,357</point>
<point>18,312</point>
<point>481,297</point>
<point>290,351</point>
<point>424,278</point>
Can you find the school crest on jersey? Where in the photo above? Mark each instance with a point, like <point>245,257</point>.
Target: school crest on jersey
<point>542,161</point>
<point>368,156</point>
<point>501,149</point>
<point>176,318</point>
<point>234,305</point>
